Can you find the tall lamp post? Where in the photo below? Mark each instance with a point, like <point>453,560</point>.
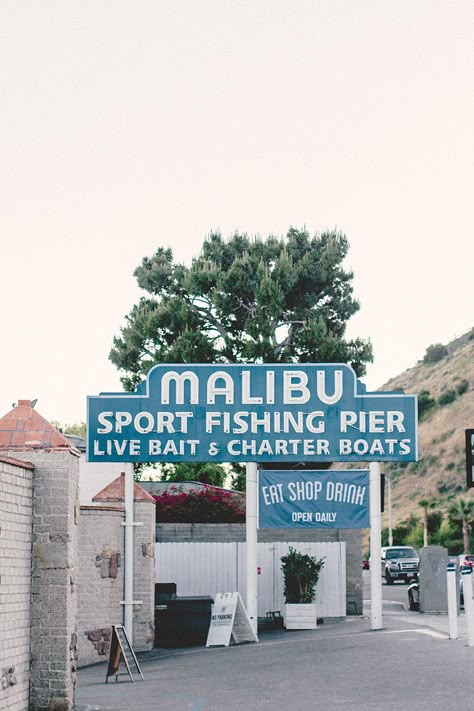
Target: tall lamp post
<point>390,534</point>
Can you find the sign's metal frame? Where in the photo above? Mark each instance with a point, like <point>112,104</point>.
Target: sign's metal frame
<point>469,458</point>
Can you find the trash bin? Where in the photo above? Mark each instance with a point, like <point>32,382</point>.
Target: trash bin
<point>183,621</point>
<point>164,591</point>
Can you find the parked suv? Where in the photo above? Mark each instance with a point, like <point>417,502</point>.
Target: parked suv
<point>399,563</point>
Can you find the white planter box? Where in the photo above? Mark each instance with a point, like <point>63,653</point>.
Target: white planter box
<point>300,616</point>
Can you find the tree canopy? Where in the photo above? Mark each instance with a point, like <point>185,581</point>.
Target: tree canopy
<point>206,472</point>
<point>77,428</point>
<point>462,513</point>
<point>245,299</point>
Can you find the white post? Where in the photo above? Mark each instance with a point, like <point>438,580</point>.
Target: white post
<point>251,537</point>
<point>128,562</point>
<point>390,533</point>
<point>375,549</point>
<point>468,607</point>
<point>452,605</point>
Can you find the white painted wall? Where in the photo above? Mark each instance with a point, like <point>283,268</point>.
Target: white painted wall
<point>93,477</point>
<point>209,568</point>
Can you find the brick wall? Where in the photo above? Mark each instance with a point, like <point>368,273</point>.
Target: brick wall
<point>197,532</point>
<point>53,577</point>
<point>16,512</point>
<point>101,580</point>
<point>101,568</point>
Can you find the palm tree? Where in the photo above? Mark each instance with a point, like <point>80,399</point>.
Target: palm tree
<point>462,513</point>
<point>426,504</point>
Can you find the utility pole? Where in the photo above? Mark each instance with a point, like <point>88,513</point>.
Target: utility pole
<point>390,534</point>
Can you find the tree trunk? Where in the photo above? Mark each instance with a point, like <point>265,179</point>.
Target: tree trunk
<point>465,536</point>
<point>425,528</point>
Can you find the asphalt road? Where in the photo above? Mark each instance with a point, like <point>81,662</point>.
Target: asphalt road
<point>396,593</point>
<point>339,666</point>
<point>410,663</point>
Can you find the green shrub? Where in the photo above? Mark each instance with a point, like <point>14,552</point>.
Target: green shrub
<point>207,505</point>
<point>300,576</point>
<point>399,534</point>
<point>435,353</point>
<point>446,397</point>
<point>450,538</point>
<point>463,387</point>
<point>442,438</point>
<point>415,537</point>
<point>425,403</point>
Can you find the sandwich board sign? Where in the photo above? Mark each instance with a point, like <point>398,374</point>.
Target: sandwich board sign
<point>229,618</point>
<point>120,647</point>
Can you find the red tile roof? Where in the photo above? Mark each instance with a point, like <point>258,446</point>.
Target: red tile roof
<point>24,428</point>
<point>115,491</point>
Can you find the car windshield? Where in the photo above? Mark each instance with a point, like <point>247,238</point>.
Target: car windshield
<point>401,553</point>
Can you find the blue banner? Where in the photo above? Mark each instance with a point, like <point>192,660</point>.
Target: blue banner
<point>251,413</point>
<point>314,499</point>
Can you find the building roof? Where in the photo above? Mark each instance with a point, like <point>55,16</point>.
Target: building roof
<point>76,441</point>
<point>115,491</point>
<point>24,428</point>
<point>156,488</point>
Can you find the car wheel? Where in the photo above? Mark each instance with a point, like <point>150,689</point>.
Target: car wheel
<point>388,578</point>
<point>412,603</point>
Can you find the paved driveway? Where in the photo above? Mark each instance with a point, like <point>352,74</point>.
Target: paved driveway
<point>343,665</point>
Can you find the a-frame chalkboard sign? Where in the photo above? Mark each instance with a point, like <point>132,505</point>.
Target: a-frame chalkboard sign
<point>120,647</point>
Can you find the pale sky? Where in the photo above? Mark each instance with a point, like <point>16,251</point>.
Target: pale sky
<point>126,126</point>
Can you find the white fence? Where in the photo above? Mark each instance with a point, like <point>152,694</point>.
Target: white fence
<point>209,568</point>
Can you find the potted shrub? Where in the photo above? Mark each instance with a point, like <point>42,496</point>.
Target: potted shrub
<point>300,577</point>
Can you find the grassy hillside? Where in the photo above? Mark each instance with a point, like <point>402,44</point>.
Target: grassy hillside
<point>441,469</point>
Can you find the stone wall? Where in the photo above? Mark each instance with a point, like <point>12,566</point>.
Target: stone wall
<point>16,511</point>
<point>144,576</point>
<point>101,556</point>
<point>223,532</point>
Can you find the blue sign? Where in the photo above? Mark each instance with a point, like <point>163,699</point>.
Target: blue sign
<point>251,413</point>
<point>316,499</point>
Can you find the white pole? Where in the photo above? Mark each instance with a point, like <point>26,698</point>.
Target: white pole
<point>375,549</point>
<point>128,563</point>
<point>251,537</point>
<point>390,533</point>
<point>468,607</point>
<point>452,605</point>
